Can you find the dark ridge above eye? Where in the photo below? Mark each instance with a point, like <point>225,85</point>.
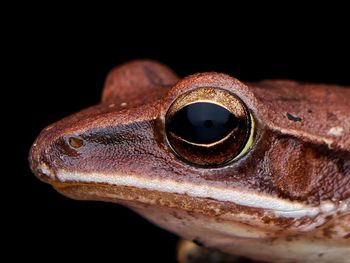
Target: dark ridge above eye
<point>202,123</point>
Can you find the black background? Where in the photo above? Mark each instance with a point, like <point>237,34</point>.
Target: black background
<point>60,70</point>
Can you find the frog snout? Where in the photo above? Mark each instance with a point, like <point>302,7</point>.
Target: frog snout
<point>43,155</point>
<point>38,165</point>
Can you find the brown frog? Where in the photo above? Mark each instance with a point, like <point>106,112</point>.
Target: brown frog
<point>260,170</point>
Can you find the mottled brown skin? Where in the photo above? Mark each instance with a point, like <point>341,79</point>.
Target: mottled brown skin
<point>296,155</point>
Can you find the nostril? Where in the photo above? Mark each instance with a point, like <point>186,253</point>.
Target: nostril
<point>75,142</point>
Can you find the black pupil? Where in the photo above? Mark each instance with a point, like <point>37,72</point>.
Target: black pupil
<point>202,123</point>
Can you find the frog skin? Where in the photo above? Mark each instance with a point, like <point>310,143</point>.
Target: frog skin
<point>282,196</point>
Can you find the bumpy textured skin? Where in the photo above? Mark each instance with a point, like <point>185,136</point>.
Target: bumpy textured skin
<point>301,153</point>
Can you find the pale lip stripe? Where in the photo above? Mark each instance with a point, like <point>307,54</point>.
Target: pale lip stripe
<point>278,206</point>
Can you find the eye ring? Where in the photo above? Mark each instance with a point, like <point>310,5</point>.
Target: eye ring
<point>209,127</point>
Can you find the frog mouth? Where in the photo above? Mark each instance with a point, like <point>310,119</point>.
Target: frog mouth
<point>279,207</point>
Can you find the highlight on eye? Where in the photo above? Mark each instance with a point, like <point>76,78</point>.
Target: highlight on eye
<point>203,122</point>
<point>209,127</point>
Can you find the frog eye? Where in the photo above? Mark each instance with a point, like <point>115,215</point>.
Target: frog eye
<point>209,127</point>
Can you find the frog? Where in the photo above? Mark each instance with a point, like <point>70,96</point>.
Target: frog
<point>259,170</point>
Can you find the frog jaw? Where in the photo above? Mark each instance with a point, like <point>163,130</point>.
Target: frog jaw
<point>278,206</point>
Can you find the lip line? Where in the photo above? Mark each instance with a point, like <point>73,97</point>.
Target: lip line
<point>280,207</point>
